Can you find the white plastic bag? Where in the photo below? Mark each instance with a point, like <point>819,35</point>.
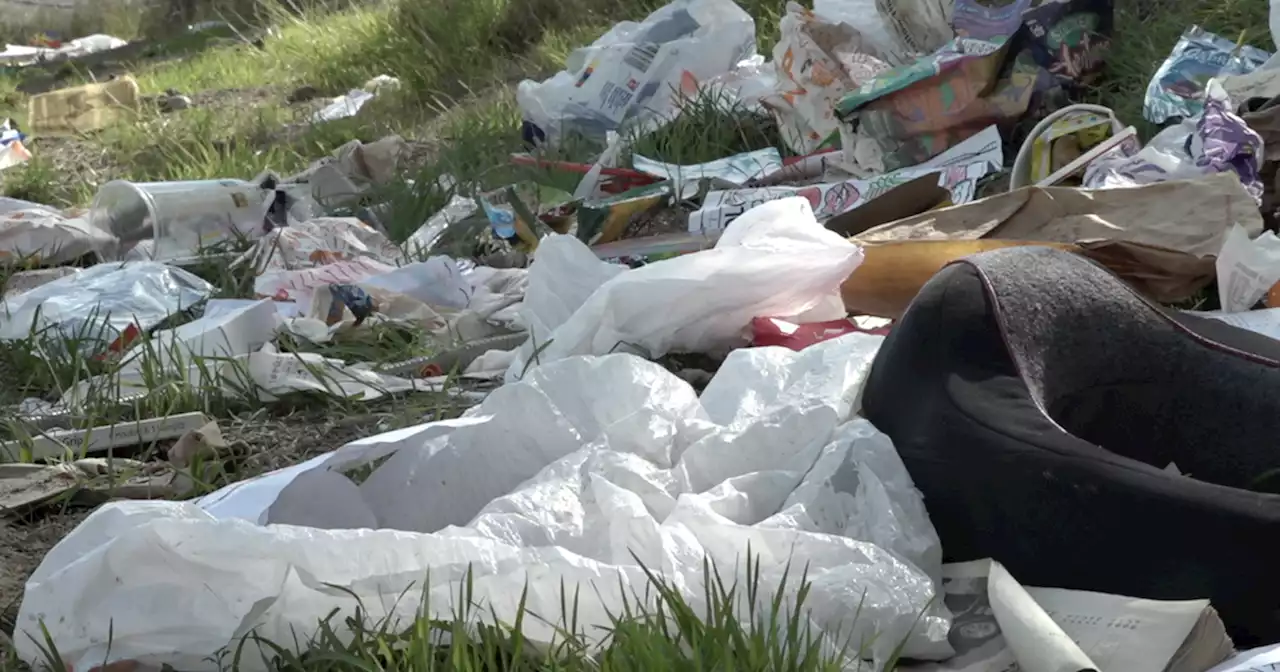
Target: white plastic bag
<point>922,26</point>
<point>552,483</point>
<point>100,303</point>
<point>632,72</point>
<point>775,260</point>
<point>438,282</point>
<point>742,88</point>
<point>866,19</point>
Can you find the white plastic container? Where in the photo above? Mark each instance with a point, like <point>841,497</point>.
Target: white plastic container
<point>1021,173</point>
<point>182,217</point>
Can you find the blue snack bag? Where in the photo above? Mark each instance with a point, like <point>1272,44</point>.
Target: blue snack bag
<point>1177,89</point>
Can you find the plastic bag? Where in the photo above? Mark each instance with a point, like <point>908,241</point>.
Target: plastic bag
<point>766,331</point>
<point>775,260</point>
<point>102,303</point>
<point>744,87</point>
<point>922,26</point>
<point>1215,141</point>
<point>866,19</point>
<point>293,261</point>
<point>1178,88</point>
<point>818,63</point>
<point>551,484</point>
<point>631,73</point>
<point>1063,44</point>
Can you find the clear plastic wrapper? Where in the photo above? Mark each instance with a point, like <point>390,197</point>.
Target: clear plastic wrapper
<point>101,303</point>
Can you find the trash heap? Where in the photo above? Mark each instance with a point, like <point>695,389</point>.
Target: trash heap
<point>936,349</point>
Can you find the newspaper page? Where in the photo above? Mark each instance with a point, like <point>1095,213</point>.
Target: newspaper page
<point>1001,626</point>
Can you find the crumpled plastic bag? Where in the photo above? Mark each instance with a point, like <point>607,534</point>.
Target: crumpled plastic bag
<point>867,20</point>
<point>744,87</point>
<point>551,484</point>
<point>100,303</point>
<point>1215,141</point>
<point>634,72</point>
<point>351,249</point>
<point>775,260</point>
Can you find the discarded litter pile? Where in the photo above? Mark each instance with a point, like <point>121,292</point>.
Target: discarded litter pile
<point>902,363</point>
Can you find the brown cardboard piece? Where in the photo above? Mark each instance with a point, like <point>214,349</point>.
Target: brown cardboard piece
<point>905,200</point>
<point>1190,216</point>
<point>83,109</point>
<point>892,273</point>
<point>90,480</point>
<point>1161,238</point>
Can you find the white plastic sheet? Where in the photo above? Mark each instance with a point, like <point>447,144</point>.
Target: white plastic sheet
<point>191,353</point>
<point>633,72</point>
<point>264,376</point>
<point>102,301</point>
<point>775,260</point>
<point>438,282</point>
<point>558,478</point>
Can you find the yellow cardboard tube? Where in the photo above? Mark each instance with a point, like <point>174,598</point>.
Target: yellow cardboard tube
<point>892,274</point>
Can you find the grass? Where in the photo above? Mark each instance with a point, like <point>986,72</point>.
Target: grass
<point>745,626</point>
<point>458,63</point>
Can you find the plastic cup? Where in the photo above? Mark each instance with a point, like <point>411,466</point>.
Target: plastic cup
<point>182,217</point>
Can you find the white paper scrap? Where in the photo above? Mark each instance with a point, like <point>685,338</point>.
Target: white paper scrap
<point>1247,269</point>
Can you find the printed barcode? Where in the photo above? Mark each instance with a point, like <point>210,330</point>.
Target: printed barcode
<point>614,97</point>
<point>641,56</point>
